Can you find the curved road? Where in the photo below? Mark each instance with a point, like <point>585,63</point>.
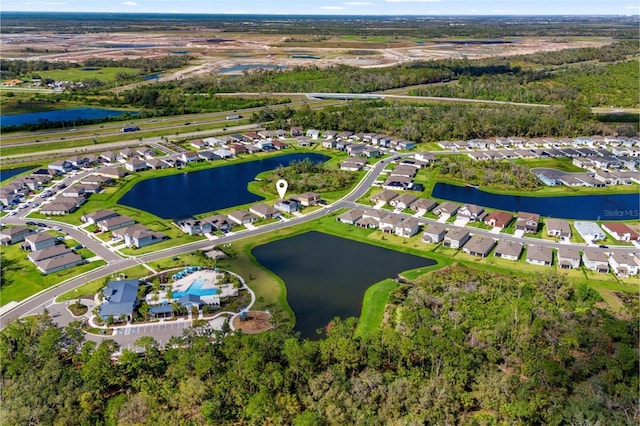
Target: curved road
<point>36,303</point>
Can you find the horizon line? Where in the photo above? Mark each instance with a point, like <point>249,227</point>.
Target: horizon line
<point>626,15</point>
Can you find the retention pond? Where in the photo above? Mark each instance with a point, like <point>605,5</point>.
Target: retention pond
<point>327,276</point>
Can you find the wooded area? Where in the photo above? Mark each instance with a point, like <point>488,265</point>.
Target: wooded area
<point>460,346</point>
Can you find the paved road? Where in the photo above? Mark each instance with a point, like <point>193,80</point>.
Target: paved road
<point>36,303</point>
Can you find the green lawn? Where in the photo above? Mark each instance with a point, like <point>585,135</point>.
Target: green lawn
<point>106,74</point>
<point>373,305</point>
<point>23,279</point>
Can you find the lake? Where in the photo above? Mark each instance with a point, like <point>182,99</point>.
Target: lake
<point>188,194</point>
<point>327,276</point>
<point>583,207</point>
<point>9,173</point>
<point>60,115</point>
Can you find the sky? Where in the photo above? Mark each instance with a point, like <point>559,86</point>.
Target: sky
<point>335,7</point>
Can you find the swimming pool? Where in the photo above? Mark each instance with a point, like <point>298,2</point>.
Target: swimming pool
<point>196,289</point>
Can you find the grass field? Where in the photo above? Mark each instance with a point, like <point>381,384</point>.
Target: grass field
<point>22,279</point>
<point>107,74</point>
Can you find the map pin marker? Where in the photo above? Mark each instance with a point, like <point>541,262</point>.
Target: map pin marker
<point>282,186</point>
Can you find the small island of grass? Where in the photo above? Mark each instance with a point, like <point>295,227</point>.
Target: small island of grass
<point>305,175</point>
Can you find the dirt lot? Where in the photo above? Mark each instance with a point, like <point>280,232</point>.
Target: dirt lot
<point>256,322</point>
<point>217,51</point>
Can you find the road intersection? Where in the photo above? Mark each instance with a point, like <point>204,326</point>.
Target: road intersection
<point>117,262</point>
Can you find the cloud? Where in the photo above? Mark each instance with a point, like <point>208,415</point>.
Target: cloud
<point>632,7</point>
<point>332,7</point>
<point>46,3</point>
<point>412,1</point>
<point>359,3</point>
<point>130,3</point>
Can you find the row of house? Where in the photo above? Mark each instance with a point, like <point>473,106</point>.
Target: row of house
<point>224,223</point>
<point>124,228</point>
<point>623,264</point>
<point>48,256</point>
<point>613,142</point>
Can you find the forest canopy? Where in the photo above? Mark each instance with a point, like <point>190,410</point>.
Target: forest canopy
<point>460,346</point>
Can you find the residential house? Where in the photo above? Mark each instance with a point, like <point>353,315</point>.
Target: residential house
<point>350,217</point>
<point>595,260</point>
<point>507,249</point>
<point>48,253</point>
<point>309,199</point>
<point>470,212</point>
<point>343,145</point>
<point>405,145</point>
<point>370,152</point>
<point>59,208</point>
<point>403,201</point>
<point>193,226</point>
<point>623,264</point>
<point>40,241</point>
<point>434,233</point>
<point>189,157</point>
<point>568,258</point>
<point>135,165</point>
<point>145,152</point>
<point>98,215</point>
<point>408,227</point>
<point>344,135</point>
<point>353,164</point>
<point>448,208</point>
<point>589,231</point>
<point>423,205</point>
<point>59,263</point>
<point>253,149</point>
<point>356,149</point>
<point>8,197</point>
<point>237,149</point>
<point>527,222</point>
<point>119,300</point>
<point>223,153</point>
<point>456,238</point>
<point>303,141</point>
<point>425,157</point>
<point>539,255</point>
<point>111,172</point>
<point>157,164</point>
<point>558,228</point>
<point>116,222</point>
<point>384,197</point>
<point>312,133</point>
<point>290,205</point>
<point>620,231</point>
<point>140,236</point>
<point>74,191</point>
<point>264,145</point>
<point>405,171</point>
<point>220,222</point>
<point>296,131</point>
<point>78,161</point>
<point>109,156</point>
<point>199,144</point>
<point>14,234</point>
<point>498,219</point>
<point>126,153</point>
<point>242,217</point>
<point>279,145</point>
<point>389,223</point>
<point>478,246</point>
<point>61,166</point>
<point>264,211</point>
<point>397,182</point>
